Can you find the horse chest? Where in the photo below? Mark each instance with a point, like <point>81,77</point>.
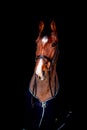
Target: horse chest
<point>43,96</point>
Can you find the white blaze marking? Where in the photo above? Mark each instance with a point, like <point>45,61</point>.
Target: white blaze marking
<point>44,40</point>
<point>39,69</point>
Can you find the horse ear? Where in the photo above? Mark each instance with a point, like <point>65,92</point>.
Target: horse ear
<point>53,26</point>
<point>41,26</point>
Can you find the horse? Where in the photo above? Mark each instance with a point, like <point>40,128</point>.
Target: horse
<point>44,83</point>
<point>45,105</point>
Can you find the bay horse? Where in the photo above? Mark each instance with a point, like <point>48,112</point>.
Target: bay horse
<point>45,103</point>
<point>44,83</point>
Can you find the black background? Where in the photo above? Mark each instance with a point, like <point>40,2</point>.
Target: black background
<point>20,29</point>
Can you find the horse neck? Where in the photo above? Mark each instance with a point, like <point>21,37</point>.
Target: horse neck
<point>51,83</point>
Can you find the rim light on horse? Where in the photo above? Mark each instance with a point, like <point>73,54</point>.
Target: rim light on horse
<point>44,83</point>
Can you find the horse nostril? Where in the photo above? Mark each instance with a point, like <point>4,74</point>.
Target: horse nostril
<point>39,77</point>
<point>43,72</point>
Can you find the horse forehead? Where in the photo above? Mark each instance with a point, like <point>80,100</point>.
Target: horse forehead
<point>44,40</point>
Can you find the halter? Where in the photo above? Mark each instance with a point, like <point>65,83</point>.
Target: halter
<point>52,61</point>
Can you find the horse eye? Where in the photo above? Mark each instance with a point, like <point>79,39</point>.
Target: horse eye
<point>54,44</point>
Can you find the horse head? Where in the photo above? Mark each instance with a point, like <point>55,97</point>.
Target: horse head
<point>46,50</point>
